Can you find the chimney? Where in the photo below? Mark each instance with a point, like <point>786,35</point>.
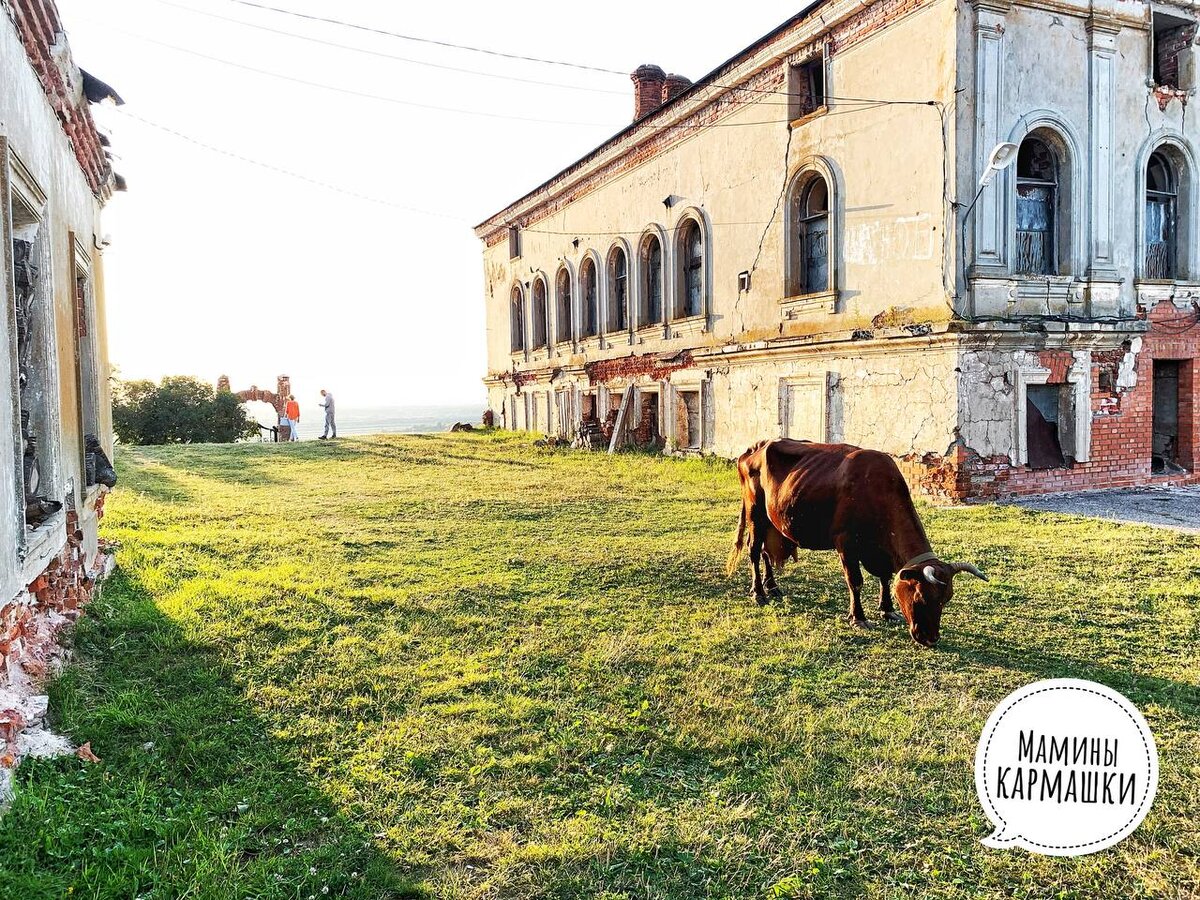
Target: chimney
<point>647,90</point>
<point>674,86</point>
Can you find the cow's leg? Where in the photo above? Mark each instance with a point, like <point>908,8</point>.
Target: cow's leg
<point>756,584</point>
<point>885,603</point>
<point>854,581</point>
<point>769,581</point>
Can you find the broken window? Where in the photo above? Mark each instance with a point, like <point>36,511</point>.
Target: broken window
<point>691,270</point>
<point>1172,60</point>
<point>516,316</point>
<point>1037,198</point>
<point>806,88</point>
<point>587,278</point>
<point>86,365</point>
<point>618,294</point>
<point>647,433</point>
<point>652,283</point>
<point>1161,209</point>
<point>565,318</point>
<point>539,314</point>
<point>1165,446</point>
<point>1043,403</point>
<point>812,235</point>
<point>687,420</point>
<point>514,242</point>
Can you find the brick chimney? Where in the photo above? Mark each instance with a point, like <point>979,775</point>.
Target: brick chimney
<point>673,86</point>
<point>647,90</point>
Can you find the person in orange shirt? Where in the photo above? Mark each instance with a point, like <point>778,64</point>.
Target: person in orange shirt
<point>292,414</point>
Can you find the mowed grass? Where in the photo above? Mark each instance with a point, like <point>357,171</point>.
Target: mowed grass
<point>462,667</point>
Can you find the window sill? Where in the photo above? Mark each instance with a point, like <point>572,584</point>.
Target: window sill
<point>564,348</point>
<point>808,117</point>
<point>43,544</point>
<point>689,326</point>
<point>808,304</point>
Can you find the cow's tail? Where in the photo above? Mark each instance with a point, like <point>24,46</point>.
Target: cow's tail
<point>739,544</point>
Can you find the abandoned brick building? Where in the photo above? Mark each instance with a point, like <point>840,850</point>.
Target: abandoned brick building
<point>798,244</point>
<point>55,175</point>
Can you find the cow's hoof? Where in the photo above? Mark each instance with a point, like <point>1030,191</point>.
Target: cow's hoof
<point>775,593</point>
<point>761,599</point>
<point>860,623</point>
<point>891,617</point>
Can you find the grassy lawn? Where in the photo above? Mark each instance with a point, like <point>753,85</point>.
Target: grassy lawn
<point>460,667</point>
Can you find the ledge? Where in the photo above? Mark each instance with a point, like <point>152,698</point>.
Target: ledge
<point>806,304</point>
<point>689,326</point>
<point>808,117</point>
<point>43,544</point>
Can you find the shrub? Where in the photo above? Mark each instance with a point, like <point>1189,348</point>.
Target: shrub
<point>178,410</point>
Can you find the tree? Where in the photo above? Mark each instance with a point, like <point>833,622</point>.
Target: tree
<point>178,410</point>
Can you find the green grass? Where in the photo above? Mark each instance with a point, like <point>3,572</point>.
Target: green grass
<point>460,667</point>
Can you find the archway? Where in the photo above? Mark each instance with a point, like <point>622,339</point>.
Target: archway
<point>277,399</point>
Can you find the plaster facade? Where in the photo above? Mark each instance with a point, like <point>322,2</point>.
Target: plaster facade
<point>797,245</point>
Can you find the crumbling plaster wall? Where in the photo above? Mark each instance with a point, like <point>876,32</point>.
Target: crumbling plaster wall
<point>888,207</point>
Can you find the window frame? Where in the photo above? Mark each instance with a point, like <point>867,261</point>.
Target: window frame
<point>569,338</point>
<point>589,298</point>
<point>686,268</point>
<point>798,301</point>
<point>535,345</point>
<point>516,324</point>
<point>618,291</point>
<point>651,236</point>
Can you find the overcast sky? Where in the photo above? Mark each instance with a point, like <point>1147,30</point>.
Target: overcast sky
<point>220,266</point>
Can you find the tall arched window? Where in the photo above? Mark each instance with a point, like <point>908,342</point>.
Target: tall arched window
<point>691,270</point>
<point>618,290</point>
<point>540,334</point>
<point>564,308</point>
<point>1162,196</point>
<point>1037,248</point>
<point>590,286</point>
<point>651,306</point>
<point>812,237</point>
<point>516,319</point>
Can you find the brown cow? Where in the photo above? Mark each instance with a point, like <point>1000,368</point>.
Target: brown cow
<point>839,497</point>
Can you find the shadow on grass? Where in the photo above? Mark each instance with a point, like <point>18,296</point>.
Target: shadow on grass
<point>193,798</point>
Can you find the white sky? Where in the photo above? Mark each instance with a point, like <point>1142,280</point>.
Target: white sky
<point>218,266</point>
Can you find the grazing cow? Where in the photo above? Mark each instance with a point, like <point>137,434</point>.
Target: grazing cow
<point>797,494</point>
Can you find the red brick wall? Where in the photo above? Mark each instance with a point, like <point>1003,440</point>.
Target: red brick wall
<point>1122,426</point>
<point>1167,47</point>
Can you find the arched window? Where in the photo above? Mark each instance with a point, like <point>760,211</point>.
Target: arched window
<point>812,237</point>
<point>1162,196</point>
<point>651,307</point>
<point>691,270</point>
<point>540,334</point>
<point>564,308</point>
<point>618,290</point>
<point>588,282</point>
<point>1037,250</point>
<point>516,319</point>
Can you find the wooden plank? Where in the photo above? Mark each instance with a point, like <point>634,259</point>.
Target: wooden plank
<point>623,414</point>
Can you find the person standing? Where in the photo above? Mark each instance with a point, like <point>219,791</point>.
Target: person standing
<point>330,424</point>
<point>292,411</point>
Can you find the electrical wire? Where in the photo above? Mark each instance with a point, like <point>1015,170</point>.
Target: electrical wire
<point>280,170</point>
<point>382,55</point>
<point>436,43</point>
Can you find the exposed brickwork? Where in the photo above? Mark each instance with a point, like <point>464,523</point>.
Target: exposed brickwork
<point>648,90</point>
<point>1168,45</point>
<point>603,371</point>
<point>647,140</point>
<point>29,624</point>
<point>41,32</point>
<point>277,399</point>
<point>1122,426</point>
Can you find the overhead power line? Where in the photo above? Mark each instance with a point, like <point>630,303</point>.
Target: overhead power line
<point>383,55</point>
<point>280,170</point>
<point>421,40</point>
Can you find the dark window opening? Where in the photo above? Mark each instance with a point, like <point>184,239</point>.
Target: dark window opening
<point>687,420</point>
<point>647,433</point>
<point>516,316</point>
<point>1161,210</point>
<point>1165,456</point>
<point>692,262</point>
<point>1037,197</point>
<point>588,281</point>
<point>618,297</point>
<point>1042,413</point>
<point>652,284</point>
<point>1173,36</point>
<point>807,88</point>
<point>514,242</point>
<point>565,315</point>
<point>812,228</point>
<point>539,315</point>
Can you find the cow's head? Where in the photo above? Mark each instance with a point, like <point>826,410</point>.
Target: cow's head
<point>923,592</point>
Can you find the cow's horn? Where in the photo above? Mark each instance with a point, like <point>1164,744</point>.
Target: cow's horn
<point>967,567</point>
<point>931,575</point>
